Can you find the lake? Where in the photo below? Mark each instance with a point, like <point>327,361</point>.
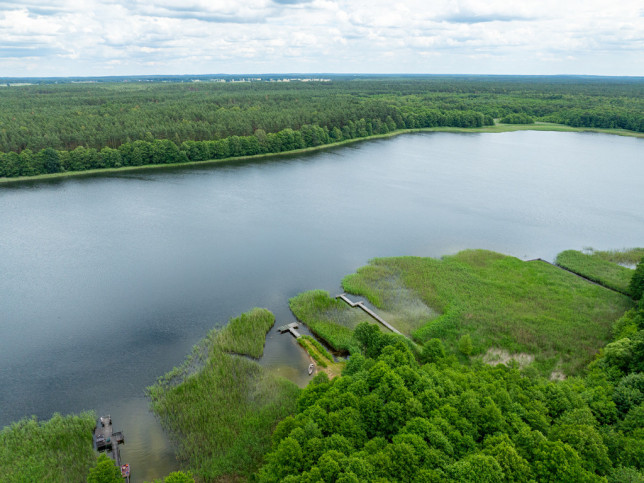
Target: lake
<point>106,282</point>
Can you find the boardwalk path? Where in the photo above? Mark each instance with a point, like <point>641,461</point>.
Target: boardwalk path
<point>369,311</point>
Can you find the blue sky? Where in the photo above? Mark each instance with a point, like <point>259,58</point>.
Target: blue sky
<point>111,37</point>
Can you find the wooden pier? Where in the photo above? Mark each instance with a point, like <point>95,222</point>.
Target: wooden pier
<point>368,311</point>
<point>290,328</point>
<point>105,439</point>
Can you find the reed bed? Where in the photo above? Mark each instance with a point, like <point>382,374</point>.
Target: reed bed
<point>57,450</point>
<point>625,256</point>
<point>222,415</point>
<point>503,302</point>
<point>329,319</point>
<point>597,268</point>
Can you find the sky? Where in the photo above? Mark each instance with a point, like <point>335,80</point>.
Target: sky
<point>522,37</point>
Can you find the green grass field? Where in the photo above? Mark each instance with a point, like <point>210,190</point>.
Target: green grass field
<point>222,414</point>
<point>57,450</point>
<point>502,302</point>
<point>597,268</point>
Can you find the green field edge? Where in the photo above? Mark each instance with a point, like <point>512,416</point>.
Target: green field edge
<point>498,128</point>
<point>594,280</point>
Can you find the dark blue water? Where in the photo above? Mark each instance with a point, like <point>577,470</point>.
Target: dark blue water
<point>107,282</point>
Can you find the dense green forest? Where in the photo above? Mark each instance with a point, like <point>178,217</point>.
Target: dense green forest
<point>51,128</point>
<point>397,416</point>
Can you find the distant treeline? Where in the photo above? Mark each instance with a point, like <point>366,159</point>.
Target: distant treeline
<point>53,127</point>
<point>165,151</point>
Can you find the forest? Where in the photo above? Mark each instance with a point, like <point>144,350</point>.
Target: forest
<point>52,128</point>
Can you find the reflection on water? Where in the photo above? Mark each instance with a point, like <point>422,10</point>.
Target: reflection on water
<point>284,356</point>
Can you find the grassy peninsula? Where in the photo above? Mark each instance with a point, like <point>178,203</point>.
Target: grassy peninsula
<point>221,406</point>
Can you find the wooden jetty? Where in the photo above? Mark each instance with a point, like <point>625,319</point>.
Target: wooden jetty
<point>290,328</point>
<point>105,439</point>
<point>368,311</point>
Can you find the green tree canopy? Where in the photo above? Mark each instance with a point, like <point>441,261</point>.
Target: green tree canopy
<point>105,471</point>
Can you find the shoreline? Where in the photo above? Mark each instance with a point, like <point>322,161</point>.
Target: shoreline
<point>497,128</point>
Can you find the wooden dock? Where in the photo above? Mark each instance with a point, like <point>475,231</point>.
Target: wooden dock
<point>290,328</point>
<point>368,311</point>
<point>105,439</point>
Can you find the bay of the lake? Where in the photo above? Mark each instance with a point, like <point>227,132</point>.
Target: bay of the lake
<point>106,282</point>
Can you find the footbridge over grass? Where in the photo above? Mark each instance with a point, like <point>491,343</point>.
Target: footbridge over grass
<point>368,311</point>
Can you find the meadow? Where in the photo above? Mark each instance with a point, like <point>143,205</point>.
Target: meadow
<point>324,361</point>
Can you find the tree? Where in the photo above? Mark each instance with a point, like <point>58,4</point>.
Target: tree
<point>369,337</point>
<point>104,472</point>
<point>433,351</point>
<point>636,287</point>
<point>477,468</point>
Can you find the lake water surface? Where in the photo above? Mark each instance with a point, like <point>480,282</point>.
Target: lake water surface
<point>107,282</point>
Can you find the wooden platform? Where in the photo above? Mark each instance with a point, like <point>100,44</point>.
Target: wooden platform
<point>368,311</point>
<point>105,439</point>
<point>290,328</point>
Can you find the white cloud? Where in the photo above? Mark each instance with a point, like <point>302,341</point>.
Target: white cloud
<point>67,37</point>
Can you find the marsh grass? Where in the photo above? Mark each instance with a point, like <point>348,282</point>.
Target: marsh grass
<point>329,319</point>
<point>395,303</point>
<point>319,347</point>
<point>316,350</point>
<point>57,450</point>
<point>598,268</point>
<point>246,334</point>
<point>310,349</point>
<point>502,302</point>
<point>222,414</point>
<point>626,256</point>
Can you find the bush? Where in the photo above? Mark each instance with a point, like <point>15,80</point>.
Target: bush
<point>104,472</point>
<point>636,286</point>
<point>465,345</point>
